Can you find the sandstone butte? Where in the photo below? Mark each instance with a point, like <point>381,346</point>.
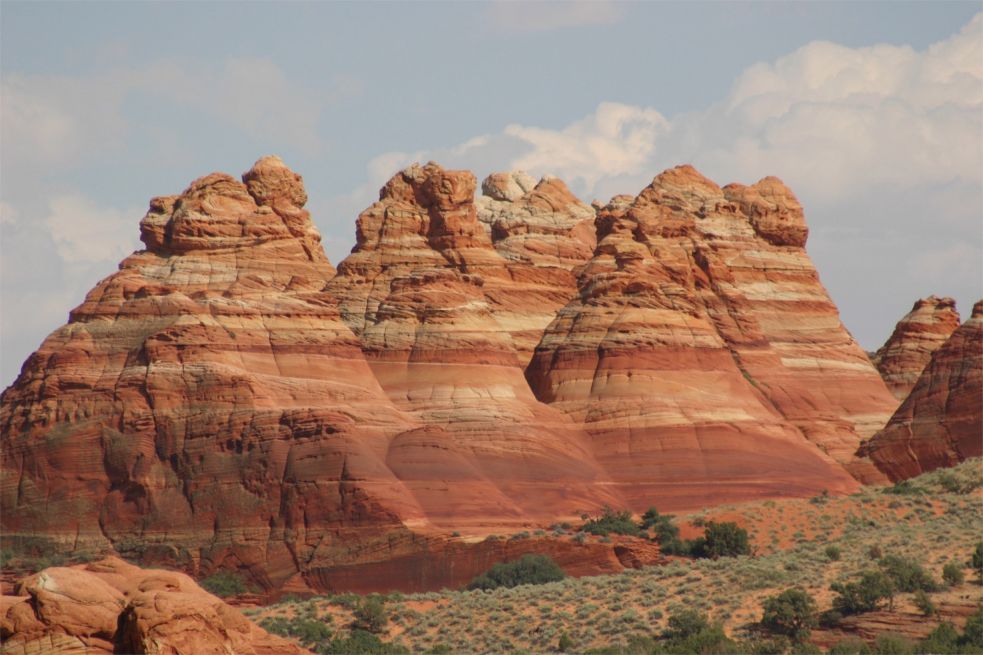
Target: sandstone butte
<point>920,333</point>
<point>227,400</point>
<point>940,423</point>
<point>110,607</point>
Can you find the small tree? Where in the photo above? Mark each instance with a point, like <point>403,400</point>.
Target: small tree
<point>370,616</point>
<point>907,574</point>
<point>944,639</point>
<point>791,613</point>
<point>529,569</point>
<point>611,521</point>
<point>952,574</point>
<point>724,540</point>
<point>924,603</point>
<point>865,595</point>
<point>684,624</point>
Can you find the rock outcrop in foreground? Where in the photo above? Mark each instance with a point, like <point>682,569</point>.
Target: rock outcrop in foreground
<point>920,333</point>
<point>113,607</point>
<point>227,400</point>
<point>940,423</point>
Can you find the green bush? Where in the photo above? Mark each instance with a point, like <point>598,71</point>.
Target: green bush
<point>865,595</point>
<point>791,613</point>
<point>690,632</point>
<point>850,646</point>
<point>370,616</point>
<point>952,574</point>
<point>611,521</point>
<point>905,488</point>
<point>722,540</point>
<point>361,642</point>
<point>875,552</point>
<point>976,561</point>
<point>225,584</point>
<point>973,631</point>
<point>891,644</point>
<point>565,643</point>
<point>833,553</point>
<point>529,569</point>
<point>907,574</point>
<point>941,641</point>
<point>924,603</point>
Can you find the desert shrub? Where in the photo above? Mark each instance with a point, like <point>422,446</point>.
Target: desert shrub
<point>370,616</point>
<point>529,569</point>
<point>722,540</point>
<point>830,619</point>
<point>276,625</point>
<point>565,643</point>
<point>225,584</point>
<point>850,646</point>
<point>805,648</point>
<point>952,574</point>
<point>611,521</point>
<point>361,642</point>
<point>941,641</point>
<point>833,553</point>
<point>892,644</point>
<point>905,488</point>
<point>865,595</point>
<point>440,649</point>
<point>875,552</point>
<point>924,603</point>
<point>907,574</point>
<point>976,561</point>
<point>973,631</point>
<point>791,613</point>
<point>685,623</point>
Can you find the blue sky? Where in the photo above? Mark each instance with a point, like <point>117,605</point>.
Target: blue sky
<point>871,112</point>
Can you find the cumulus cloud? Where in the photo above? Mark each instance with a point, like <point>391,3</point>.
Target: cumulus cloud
<point>515,16</point>
<point>883,144</point>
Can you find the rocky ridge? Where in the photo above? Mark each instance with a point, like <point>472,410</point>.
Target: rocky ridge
<point>917,335</point>
<point>229,400</point>
<point>940,423</point>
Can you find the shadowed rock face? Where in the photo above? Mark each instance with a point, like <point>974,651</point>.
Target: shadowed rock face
<point>940,423</point>
<point>114,607</point>
<point>226,400</point>
<point>920,333</point>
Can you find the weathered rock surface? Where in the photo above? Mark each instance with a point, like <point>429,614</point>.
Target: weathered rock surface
<point>420,275</point>
<point>920,333</point>
<point>702,353</point>
<point>111,606</point>
<point>226,400</point>
<point>940,423</point>
<point>205,404</point>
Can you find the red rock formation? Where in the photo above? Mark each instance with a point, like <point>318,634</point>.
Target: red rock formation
<point>421,272</point>
<point>544,233</point>
<point>920,333</point>
<point>114,607</point>
<point>940,423</point>
<point>702,353</point>
<point>205,403</point>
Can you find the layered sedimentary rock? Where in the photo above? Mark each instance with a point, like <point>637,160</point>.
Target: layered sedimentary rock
<point>920,333</point>
<point>205,404</point>
<point>421,271</point>
<point>940,423</point>
<point>702,353</point>
<point>114,607</point>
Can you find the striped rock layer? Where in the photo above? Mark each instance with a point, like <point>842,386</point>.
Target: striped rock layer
<point>702,353</point>
<point>940,423</point>
<point>228,400</point>
<point>920,333</point>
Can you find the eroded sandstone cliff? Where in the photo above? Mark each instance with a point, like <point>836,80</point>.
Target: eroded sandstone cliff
<point>917,335</point>
<point>940,423</point>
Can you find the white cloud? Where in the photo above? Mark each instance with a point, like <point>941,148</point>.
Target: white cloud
<point>515,16</point>
<point>876,140</point>
<point>84,233</point>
